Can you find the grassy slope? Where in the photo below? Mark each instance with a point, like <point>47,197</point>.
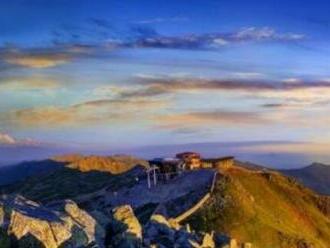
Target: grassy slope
<point>269,210</point>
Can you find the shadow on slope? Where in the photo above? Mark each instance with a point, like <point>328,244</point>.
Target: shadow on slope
<point>69,183</point>
<point>14,173</point>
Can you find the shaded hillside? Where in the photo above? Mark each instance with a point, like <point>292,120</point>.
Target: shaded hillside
<point>67,183</point>
<point>315,176</point>
<point>70,176</point>
<point>14,173</point>
<point>112,164</point>
<point>266,209</point>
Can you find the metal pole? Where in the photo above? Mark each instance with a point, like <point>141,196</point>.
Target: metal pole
<point>155,178</point>
<point>149,184</point>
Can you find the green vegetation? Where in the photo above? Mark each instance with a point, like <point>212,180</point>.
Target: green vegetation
<point>264,208</point>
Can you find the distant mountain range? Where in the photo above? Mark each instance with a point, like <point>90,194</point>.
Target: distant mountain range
<point>260,152</point>
<point>315,176</point>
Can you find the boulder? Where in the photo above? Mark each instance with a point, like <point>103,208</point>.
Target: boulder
<point>88,225</point>
<point>125,230</point>
<point>247,245</point>
<point>208,241</point>
<point>30,225</point>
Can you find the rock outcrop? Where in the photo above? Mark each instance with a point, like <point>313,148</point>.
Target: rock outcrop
<point>25,223</point>
<point>125,229</point>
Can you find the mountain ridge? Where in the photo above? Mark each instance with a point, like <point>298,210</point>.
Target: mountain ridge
<point>112,164</point>
<point>316,176</point>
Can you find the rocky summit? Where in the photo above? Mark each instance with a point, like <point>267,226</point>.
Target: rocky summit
<point>226,206</point>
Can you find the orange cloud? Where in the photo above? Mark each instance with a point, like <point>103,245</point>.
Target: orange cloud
<point>36,82</point>
<point>210,118</point>
<point>86,113</point>
<point>37,60</point>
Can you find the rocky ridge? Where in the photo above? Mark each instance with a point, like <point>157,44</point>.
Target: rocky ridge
<point>24,223</point>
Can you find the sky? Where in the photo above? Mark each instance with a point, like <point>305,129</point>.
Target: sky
<point>111,75</point>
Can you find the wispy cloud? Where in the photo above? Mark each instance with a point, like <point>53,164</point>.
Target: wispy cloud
<point>217,40</point>
<point>98,36</point>
<point>141,34</point>
<point>91,112</point>
<point>204,118</point>
<point>264,33</point>
<point>8,140</point>
<point>299,91</point>
<point>162,20</point>
<point>44,57</point>
<point>34,82</point>
<point>273,105</point>
<point>36,60</point>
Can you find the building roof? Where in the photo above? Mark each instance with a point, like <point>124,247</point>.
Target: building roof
<point>213,160</point>
<point>183,154</point>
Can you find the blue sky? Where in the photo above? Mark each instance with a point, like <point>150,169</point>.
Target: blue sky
<point>118,74</point>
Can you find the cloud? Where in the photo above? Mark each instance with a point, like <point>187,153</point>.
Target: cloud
<point>299,91</point>
<point>141,34</point>
<point>132,104</point>
<point>71,42</point>
<point>162,20</point>
<point>280,94</point>
<point>216,117</point>
<point>36,60</point>
<point>35,82</point>
<point>170,84</point>
<point>43,57</point>
<point>273,105</point>
<point>264,33</point>
<point>6,139</point>
<point>217,40</point>
<point>82,114</point>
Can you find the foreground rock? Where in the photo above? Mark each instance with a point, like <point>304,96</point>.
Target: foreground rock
<point>126,232</point>
<point>125,229</point>
<point>24,223</point>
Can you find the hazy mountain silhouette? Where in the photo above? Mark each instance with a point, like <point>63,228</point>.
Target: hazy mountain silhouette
<point>316,176</point>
